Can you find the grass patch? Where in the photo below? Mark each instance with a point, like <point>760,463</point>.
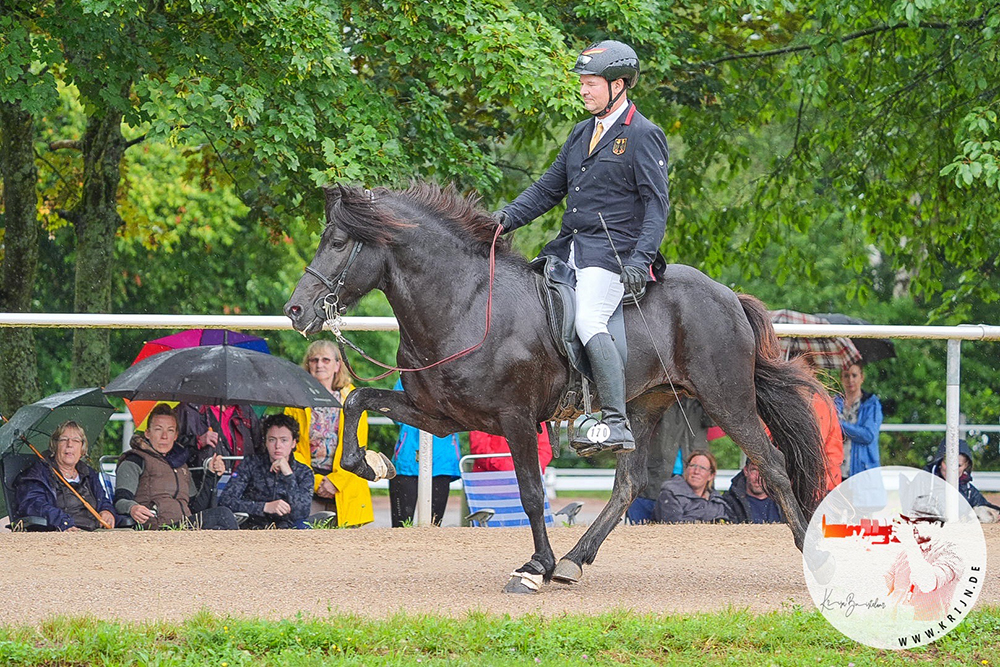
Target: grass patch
<point>736,637</point>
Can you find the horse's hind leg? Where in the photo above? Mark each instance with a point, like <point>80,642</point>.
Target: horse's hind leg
<point>630,480</point>
<point>523,441</point>
<point>738,418</point>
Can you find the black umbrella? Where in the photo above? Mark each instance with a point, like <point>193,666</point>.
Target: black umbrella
<point>36,422</point>
<point>871,349</point>
<point>221,375</point>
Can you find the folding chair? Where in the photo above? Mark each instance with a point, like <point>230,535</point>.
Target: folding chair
<point>496,491</point>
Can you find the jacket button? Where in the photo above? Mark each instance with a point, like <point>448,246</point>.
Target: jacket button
<point>583,169</point>
<point>574,210</point>
<point>574,231</point>
<point>577,189</point>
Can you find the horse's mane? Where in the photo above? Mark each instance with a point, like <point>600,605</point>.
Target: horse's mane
<point>370,216</point>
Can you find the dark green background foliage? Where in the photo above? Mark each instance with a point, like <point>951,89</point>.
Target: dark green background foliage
<point>827,156</point>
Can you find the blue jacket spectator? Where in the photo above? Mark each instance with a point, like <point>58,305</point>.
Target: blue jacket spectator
<point>863,434</point>
<point>403,487</point>
<point>39,493</point>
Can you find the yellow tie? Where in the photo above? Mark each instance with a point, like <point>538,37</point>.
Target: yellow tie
<point>598,131</point>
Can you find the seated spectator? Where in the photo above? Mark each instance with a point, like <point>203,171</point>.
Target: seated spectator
<point>445,453</point>
<point>321,442</point>
<point>153,484</point>
<point>691,498</point>
<point>484,443</point>
<point>39,491</point>
<point>672,442</point>
<point>985,510</point>
<point>271,487</point>
<point>747,500</point>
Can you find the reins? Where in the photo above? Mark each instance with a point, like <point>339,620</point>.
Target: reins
<point>335,320</point>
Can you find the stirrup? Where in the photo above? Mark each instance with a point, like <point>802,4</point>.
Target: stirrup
<point>591,437</point>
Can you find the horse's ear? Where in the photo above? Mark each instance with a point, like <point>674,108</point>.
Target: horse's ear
<point>333,193</point>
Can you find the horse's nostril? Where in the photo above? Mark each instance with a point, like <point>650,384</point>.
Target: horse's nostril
<point>295,310</point>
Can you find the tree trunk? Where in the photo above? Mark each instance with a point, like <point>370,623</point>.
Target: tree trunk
<point>96,222</point>
<point>18,361</point>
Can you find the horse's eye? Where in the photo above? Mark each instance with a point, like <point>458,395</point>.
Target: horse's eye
<point>339,244</point>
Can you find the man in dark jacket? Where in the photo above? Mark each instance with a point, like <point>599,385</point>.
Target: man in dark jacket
<point>271,487</point>
<point>747,500</point>
<point>612,171</point>
<point>965,486</point>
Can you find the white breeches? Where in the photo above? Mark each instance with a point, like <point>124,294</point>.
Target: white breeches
<point>598,293</point>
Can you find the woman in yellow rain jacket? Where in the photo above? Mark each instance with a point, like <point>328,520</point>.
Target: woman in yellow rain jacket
<point>322,440</point>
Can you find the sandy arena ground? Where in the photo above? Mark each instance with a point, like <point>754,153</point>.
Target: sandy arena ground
<point>380,571</point>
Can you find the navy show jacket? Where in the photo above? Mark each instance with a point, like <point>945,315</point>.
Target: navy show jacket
<point>624,179</point>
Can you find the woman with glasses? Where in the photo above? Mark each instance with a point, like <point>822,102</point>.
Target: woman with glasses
<point>321,441</point>
<point>40,492</point>
<point>691,498</point>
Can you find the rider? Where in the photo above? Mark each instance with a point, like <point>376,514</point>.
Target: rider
<point>615,166</point>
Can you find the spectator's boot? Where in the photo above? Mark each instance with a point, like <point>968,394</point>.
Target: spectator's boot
<point>612,433</point>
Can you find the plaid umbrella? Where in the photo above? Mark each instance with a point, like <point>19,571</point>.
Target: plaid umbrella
<point>830,353</point>
<point>871,349</point>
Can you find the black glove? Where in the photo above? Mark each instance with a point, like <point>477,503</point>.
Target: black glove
<point>503,220</point>
<point>634,278</point>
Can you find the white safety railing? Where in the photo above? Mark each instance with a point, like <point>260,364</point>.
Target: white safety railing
<point>954,336</point>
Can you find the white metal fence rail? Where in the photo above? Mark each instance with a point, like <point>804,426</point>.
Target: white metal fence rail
<point>954,336</point>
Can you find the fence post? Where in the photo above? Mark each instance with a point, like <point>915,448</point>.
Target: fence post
<point>425,460</point>
<point>951,422</point>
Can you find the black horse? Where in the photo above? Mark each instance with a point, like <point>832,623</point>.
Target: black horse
<point>428,250</point>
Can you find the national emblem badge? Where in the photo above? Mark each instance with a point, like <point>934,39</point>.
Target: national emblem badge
<point>619,146</point>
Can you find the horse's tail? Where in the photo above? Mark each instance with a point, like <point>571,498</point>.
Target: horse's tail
<point>784,401</point>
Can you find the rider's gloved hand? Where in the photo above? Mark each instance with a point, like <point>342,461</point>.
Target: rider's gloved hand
<point>503,220</point>
<point>634,278</point>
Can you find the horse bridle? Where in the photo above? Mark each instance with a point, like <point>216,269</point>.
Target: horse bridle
<point>328,305</point>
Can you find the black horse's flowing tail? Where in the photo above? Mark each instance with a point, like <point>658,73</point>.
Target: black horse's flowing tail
<point>784,401</point>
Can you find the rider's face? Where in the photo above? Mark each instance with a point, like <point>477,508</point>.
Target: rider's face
<point>594,91</point>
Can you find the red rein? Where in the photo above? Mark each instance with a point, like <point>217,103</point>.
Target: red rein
<point>489,317</point>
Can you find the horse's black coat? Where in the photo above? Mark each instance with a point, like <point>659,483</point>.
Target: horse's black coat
<point>427,249</point>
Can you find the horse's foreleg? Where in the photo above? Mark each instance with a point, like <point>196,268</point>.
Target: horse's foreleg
<point>630,480</point>
<point>523,441</point>
<point>392,404</point>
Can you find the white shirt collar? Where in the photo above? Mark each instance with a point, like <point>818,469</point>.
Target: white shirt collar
<point>609,120</point>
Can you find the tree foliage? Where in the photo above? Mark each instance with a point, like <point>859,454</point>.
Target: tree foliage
<point>834,155</point>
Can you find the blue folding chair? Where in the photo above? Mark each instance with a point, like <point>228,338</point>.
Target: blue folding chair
<point>496,492</point>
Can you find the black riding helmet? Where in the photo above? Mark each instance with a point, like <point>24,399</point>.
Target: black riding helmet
<point>610,60</point>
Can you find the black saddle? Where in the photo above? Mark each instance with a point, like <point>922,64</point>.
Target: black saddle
<point>557,288</point>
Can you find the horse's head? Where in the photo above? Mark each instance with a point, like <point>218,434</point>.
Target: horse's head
<point>349,261</point>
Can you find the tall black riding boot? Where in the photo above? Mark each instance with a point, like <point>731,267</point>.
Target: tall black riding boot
<point>609,376</point>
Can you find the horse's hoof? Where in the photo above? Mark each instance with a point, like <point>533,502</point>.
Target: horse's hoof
<point>523,583</point>
<point>380,465</point>
<point>567,572</point>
